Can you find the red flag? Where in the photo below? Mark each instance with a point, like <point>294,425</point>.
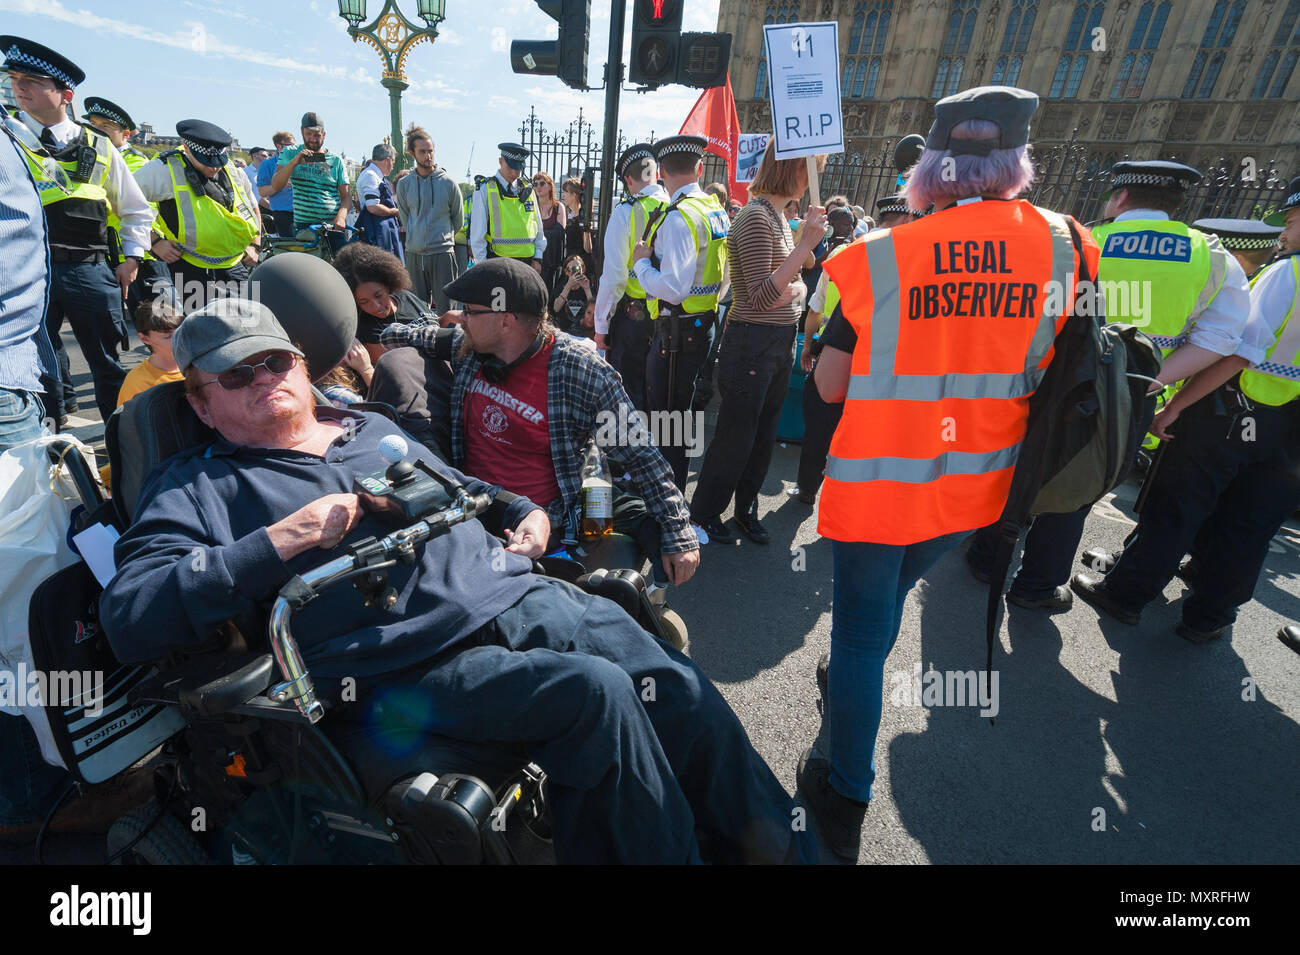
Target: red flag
<point>714,117</point>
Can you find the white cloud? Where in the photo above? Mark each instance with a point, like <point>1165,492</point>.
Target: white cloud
<point>449,37</point>
<point>500,42</point>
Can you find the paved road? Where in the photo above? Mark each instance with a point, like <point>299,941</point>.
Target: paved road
<point>1161,735</point>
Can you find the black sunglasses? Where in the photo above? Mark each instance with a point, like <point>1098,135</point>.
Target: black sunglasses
<point>241,376</point>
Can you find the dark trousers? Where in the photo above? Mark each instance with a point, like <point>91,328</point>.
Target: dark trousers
<point>753,376</point>
<point>1238,474</point>
<point>820,419</point>
<point>196,286</point>
<point>630,331</point>
<point>88,296</point>
<point>694,334</point>
<point>632,518</point>
<point>283,222</point>
<point>640,749</point>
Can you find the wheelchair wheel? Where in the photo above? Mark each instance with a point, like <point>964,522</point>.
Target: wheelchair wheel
<point>166,843</point>
<point>674,628</point>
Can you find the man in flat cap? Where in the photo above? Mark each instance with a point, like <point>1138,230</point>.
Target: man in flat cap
<point>621,309</point>
<point>209,223</point>
<point>97,185</point>
<point>682,265</point>
<point>499,653</point>
<point>321,194</point>
<point>1251,242</point>
<point>116,123</point>
<point>505,220</point>
<point>1229,466</point>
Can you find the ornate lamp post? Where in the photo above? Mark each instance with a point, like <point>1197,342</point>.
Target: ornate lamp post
<point>393,36</point>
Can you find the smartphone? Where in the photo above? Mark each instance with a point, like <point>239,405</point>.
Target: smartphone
<point>315,157</point>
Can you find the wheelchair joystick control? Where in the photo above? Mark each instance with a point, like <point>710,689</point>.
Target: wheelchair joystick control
<point>394,449</point>
<point>406,490</point>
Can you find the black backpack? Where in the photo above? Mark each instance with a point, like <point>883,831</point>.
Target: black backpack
<point>1085,427</point>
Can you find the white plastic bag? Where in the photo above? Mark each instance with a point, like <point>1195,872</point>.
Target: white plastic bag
<point>36,502</point>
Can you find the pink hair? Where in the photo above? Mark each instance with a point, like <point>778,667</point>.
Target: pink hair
<point>1003,173</point>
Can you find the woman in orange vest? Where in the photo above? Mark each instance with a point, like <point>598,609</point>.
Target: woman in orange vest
<point>944,328</point>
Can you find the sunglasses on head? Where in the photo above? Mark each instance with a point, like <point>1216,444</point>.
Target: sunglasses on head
<point>241,376</point>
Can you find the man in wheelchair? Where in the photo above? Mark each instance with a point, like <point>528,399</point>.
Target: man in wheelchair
<point>645,761</point>
<point>525,401</point>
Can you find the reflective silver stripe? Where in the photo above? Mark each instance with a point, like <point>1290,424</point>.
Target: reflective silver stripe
<point>494,213</point>
<point>1218,275</point>
<point>881,383</point>
<point>920,470</point>
<point>1287,345</point>
<point>184,202</point>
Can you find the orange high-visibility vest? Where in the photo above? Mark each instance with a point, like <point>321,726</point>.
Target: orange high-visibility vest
<point>956,315</point>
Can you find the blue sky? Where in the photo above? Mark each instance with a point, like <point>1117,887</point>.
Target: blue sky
<point>263,64</point>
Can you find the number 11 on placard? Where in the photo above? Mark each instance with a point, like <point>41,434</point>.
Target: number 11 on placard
<point>801,40</point>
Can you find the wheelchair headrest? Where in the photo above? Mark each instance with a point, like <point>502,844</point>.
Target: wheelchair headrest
<point>312,301</point>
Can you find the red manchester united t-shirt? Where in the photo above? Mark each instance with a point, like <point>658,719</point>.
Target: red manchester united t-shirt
<point>506,437</point>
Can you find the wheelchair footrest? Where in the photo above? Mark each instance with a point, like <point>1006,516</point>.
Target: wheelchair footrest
<point>442,818</point>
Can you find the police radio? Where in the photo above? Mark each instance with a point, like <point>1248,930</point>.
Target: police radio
<point>86,158</point>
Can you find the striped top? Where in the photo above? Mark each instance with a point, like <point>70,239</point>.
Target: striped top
<point>315,187</point>
<point>759,241</point>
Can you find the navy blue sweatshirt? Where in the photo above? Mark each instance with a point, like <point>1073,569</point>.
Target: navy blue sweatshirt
<point>198,553</point>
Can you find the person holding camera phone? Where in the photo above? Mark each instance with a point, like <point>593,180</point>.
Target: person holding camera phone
<point>321,195</point>
<point>571,300</point>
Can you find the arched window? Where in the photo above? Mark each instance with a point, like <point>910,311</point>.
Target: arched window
<point>859,78</point>
<point>1076,27</point>
<point>954,75</point>
<point>1265,74</point>
<point>1287,24</point>
<point>999,72</point>
<point>1121,79</point>
<point>855,32</point>
<point>760,81</point>
<point>1158,26</point>
<point>1058,81</point>
<point>1027,26</point>
<point>1230,25</point>
<point>1216,19</point>
<point>1194,77</point>
<point>1284,74</point>
<point>940,79</point>
<point>1013,70</point>
<point>961,26</point>
<point>873,75</point>
<point>1076,75</point>
<point>1013,27</point>
<point>1140,26</point>
<point>1211,77</point>
<point>870,30</point>
<point>882,28</point>
<point>1139,76</point>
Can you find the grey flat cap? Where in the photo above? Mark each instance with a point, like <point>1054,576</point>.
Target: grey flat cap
<point>1010,108</point>
<point>226,332</point>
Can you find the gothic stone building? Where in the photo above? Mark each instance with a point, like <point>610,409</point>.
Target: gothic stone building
<point>1196,80</point>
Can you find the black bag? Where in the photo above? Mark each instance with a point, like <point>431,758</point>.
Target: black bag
<point>1084,431</point>
<point>97,731</point>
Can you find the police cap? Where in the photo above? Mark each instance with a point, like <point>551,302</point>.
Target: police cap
<point>98,106</point>
<point>207,141</point>
<point>1155,174</point>
<point>1278,217</point>
<point>895,205</point>
<point>514,155</point>
<point>632,154</point>
<point>1008,107</point>
<point>503,284</point>
<point>1241,235</point>
<point>27,56</point>
<point>669,145</point>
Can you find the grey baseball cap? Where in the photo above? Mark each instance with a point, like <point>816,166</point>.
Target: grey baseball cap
<point>226,332</point>
<point>1006,106</point>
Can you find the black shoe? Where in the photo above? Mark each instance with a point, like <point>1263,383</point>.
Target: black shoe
<point>976,571</point>
<point>1198,636</point>
<point>1187,571</point>
<point>1290,635</point>
<point>1093,590</point>
<point>1098,560</point>
<point>1060,601</point>
<point>804,497</point>
<point>838,818</point>
<point>823,675</point>
<point>748,523</point>
<point>719,533</point>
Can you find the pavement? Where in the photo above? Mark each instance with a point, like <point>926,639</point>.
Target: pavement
<point>1112,744</point>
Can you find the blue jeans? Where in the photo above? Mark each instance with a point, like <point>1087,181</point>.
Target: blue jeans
<point>20,417</point>
<point>871,585</point>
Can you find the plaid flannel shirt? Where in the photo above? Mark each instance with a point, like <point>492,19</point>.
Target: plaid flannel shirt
<point>580,386</point>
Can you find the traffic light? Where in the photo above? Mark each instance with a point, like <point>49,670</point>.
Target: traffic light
<point>565,57</point>
<point>702,59</point>
<point>656,33</point>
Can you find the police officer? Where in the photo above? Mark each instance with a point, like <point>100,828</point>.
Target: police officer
<point>1251,242</point>
<point>1180,287</point>
<point>621,309</point>
<point>1230,473</point>
<point>116,123</point>
<point>504,218</point>
<point>682,267</point>
<point>93,184</point>
<point>208,219</point>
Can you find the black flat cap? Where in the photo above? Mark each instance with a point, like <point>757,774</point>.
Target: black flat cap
<point>632,154</point>
<point>207,141</point>
<point>1278,216</point>
<point>507,285</point>
<point>694,145</point>
<point>98,106</point>
<point>1241,235</point>
<point>30,57</point>
<point>514,155</point>
<point>1010,108</point>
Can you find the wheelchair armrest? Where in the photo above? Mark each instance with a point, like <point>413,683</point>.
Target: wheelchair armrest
<point>211,684</point>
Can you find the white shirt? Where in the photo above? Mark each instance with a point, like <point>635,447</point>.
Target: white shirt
<point>1218,327</point>
<point>1270,300</point>
<point>677,252</point>
<point>478,221</point>
<point>618,256</point>
<point>368,183</point>
<point>155,182</point>
<point>124,195</point>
